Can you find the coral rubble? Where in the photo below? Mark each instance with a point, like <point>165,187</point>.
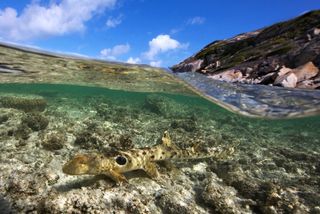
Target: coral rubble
<point>275,167</point>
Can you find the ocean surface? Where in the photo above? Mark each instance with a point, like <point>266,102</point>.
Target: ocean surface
<point>275,167</point>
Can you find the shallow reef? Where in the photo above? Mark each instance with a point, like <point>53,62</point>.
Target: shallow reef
<point>26,104</point>
<point>275,168</point>
<point>35,121</point>
<point>53,140</point>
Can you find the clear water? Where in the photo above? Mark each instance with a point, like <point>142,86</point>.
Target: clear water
<point>274,156</point>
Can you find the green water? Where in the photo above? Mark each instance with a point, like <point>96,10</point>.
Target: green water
<point>295,132</point>
<point>283,153</point>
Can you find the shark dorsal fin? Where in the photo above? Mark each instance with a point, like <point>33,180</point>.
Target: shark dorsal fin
<point>166,140</point>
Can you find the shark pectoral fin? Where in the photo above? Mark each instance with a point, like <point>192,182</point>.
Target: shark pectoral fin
<point>117,177</point>
<point>151,170</point>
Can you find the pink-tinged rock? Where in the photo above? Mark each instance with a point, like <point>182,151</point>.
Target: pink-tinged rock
<point>306,71</point>
<point>289,80</point>
<point>191,65</point>
<point>291,77</point>
<point>308,84</point>
<point>316,31</point>
<point>228,76</point>
<point>196,65</point>
<point>284,70</point>
<point>213,65</point>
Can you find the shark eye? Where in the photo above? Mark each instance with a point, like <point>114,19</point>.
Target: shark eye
<point>121,160</point>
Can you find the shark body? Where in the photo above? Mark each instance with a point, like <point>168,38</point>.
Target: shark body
<point>133,159</point>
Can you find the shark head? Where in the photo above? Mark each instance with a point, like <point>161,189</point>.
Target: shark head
<point>93,164</point>
<point>82,164</point>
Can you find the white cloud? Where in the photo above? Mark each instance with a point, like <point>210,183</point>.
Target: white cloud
<point>196,20</point>
<point>175,30</point>
<point>160,44</point>
<point>113,22</point>
<point>132,60</point>
<point>113,53</point>
<point>58,18</point>
<point>156,63</point>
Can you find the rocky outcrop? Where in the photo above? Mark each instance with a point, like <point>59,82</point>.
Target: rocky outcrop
<point>300,76</point>
<point>285,54</point>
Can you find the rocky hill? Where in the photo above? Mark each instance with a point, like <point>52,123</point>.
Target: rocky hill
<point>285,54</point>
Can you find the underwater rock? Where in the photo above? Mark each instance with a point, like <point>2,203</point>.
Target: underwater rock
<point>188,125</point>
<point>164,106</point>
<point>158,104</point>
<point>29,185</point>
<point>25,189</point>
<point>23,103</point>
<point>4,118</point>
<point>22,132</point>
<point>74,202</point>
<point>35,121</point>
<point>54,140</point>
<point>269,182</point>
<point>103,110</point>
<point>88,140</point>
<point>222,198</point>
<point>5,207</point>
<point>116,113</point>
<point>279,200</point>
<point>52,177</point>
<point>126,142</point>
<point>315,210</point>
<point>175,201</point>
<point>87,200</point>
<point>114,142</point>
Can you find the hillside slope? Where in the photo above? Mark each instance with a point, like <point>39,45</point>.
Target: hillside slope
<point>284,54</point>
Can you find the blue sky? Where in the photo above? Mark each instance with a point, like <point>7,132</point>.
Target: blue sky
<point>155,32</point>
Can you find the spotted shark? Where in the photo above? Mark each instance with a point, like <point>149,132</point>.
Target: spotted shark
<point>142,158</point>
